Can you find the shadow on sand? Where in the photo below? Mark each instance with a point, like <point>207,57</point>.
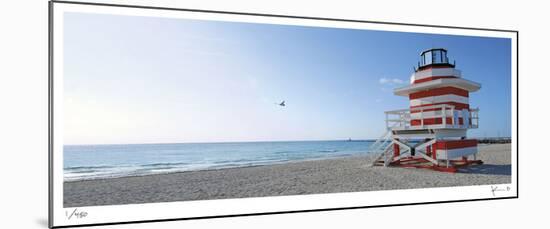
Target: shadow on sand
<point>488,169</point>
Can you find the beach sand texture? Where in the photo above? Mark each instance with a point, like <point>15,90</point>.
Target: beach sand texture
<point>349,174</point>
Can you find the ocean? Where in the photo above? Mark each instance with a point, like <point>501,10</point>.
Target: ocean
<point>84,162</point>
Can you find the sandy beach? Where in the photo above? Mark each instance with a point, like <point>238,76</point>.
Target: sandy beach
<point>348,174</point>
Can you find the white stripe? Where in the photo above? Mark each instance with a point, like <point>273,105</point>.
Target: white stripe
<point>436,72</point>
<point>455,153</point>
<point>444,82</point>
<point>439,99</point>
<point>430,114</point>
<point>438,113</point>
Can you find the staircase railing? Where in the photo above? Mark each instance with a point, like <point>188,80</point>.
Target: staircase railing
<point>382,146</point>
<point>381,143</point>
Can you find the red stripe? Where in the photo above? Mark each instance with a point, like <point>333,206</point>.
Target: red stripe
<point>432,78</point>
<point>424,68</point>
<point>458,106</point>
<point>456,144</point>
<point>434,121</point>
<point>431,109</point>
<point>439,91</point>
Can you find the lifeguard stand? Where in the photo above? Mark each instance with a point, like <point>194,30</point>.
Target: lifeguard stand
<point>432,132</point>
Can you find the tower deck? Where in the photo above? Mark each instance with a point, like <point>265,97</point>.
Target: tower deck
<point>440,119</point>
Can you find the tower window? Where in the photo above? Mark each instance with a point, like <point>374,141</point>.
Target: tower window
<point>434,56</point>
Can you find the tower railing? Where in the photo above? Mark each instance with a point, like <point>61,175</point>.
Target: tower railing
<point>441,116</point>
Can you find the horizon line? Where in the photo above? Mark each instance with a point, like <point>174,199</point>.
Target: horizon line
<point>199,142</point>
<point>257,141</point>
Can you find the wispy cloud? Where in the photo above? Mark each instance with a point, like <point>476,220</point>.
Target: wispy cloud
<point>390,81</point>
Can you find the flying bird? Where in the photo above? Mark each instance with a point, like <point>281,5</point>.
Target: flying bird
<point>282,104</point>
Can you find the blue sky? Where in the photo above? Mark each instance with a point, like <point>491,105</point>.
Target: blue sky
<point>145,80</point>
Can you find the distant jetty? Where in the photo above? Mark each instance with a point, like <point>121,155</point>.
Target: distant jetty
<point>495,140</point>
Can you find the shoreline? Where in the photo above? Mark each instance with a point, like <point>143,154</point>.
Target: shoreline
<point>366,156</point>
<point>351,173</point>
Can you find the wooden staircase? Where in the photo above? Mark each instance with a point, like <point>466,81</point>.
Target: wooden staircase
<point>382,149</point>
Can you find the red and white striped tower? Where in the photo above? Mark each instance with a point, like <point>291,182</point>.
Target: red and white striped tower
<point>432,132</point>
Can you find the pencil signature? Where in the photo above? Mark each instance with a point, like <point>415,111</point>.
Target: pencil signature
<point>498,189</point>
<point>76,214</point>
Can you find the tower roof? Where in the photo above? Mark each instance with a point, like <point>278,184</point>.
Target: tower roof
<point>465,84</point>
